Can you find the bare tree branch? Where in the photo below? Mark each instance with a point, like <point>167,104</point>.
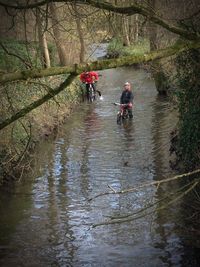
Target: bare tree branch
<point>130,10</point>
<point>164,206</point>
<point>27,64</point>
<point>38,102</point>
<point>133,189</point>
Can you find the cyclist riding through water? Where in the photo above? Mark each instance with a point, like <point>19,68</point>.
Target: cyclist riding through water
<point>127,98</point>
<point>89,78</point>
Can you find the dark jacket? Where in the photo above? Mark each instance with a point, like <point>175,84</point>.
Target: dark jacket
<point>126,97</point>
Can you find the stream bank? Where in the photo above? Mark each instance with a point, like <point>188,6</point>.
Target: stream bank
<point>19,140</point>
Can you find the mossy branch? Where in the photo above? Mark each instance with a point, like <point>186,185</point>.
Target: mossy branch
<point>100,64</point>
<point>38,102</point>
<point>72,71</point>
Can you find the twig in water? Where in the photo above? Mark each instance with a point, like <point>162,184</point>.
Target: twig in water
<point>194,184</point>
<point>112,188</point>
<point>153,204</point>
<point>130,190</point>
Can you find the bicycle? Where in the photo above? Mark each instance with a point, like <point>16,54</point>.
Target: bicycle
<point>91,94</point>
<point>122,114</point>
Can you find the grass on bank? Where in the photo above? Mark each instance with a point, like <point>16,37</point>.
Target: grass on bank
<point>117,49</point>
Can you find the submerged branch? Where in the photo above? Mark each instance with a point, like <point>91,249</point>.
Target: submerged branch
<point>153,204</point>
<point>133,189</point>
<point>115,221</point>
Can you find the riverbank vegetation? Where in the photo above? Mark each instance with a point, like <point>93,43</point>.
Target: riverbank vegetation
<point>19,139</point>
<point>186,138</point>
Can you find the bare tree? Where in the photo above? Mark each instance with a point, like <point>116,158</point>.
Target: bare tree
<point>125,31</point>
<point>57,34</point>
<point>80,33</point>
<point>45,58</point>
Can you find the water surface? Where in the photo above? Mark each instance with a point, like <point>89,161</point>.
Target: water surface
<point>47,220</point>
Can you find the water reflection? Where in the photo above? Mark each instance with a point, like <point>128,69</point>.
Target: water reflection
<point>165,220</point>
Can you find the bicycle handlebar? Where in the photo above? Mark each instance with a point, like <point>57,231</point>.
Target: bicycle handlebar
<point>118,104</point>
<point>88,83</point>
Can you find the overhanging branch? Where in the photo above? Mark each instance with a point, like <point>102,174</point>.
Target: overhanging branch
<point>38,102</point>
<point>99,65</point>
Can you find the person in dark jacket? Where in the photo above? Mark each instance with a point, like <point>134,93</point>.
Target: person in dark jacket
<point>127,98</point>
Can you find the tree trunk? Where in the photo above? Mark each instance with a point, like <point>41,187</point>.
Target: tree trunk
<point>125,33</point>
<point>57,35</point>
<point>80,34</point>
<point>117,24</point>
<point>152,29</point>
<point>45,58</point>
<point>136,28</point>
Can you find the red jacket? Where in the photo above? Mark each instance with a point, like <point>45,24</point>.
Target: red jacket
<point>89,77</point>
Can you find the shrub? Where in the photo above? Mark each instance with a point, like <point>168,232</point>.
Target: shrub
<point>188,96</point>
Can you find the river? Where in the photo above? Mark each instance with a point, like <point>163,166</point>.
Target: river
<point>47,218</point>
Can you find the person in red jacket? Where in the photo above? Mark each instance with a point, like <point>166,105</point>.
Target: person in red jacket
<point>89,77</point>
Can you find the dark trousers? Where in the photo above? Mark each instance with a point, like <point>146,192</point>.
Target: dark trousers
<point>130,113</point>
<point>88,89</point>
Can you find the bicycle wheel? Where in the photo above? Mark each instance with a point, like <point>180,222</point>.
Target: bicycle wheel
<point>91,94</point>
<point>125,114</point>
<point>119,118</point>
